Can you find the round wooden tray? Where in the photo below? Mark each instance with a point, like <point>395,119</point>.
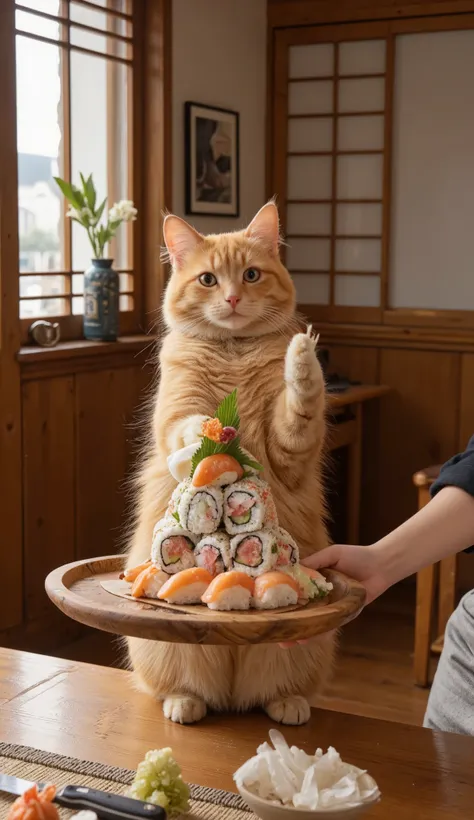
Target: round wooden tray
<point>79,591</point>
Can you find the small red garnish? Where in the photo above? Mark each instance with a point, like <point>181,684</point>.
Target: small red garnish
<point>228,434</point>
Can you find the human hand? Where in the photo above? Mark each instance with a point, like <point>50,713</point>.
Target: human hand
<point>365,564</point>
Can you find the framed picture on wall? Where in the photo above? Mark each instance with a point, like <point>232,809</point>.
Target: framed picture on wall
<point>211,160</point>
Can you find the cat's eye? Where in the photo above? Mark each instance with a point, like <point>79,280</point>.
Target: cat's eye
<point>208,280</point>
<point>252,275</point>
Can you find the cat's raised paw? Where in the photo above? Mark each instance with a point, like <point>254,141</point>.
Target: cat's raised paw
<point>302,369</point>
<point>292,711</point>
<point>184,708</point>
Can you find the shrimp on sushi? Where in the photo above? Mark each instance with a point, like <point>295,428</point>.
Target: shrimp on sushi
<point>229,590</point>
<point>186,587</point>
<point>275,589</point>
<point>149,582</point>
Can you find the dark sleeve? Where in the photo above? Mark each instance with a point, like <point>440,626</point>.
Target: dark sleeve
<point>458,472</point>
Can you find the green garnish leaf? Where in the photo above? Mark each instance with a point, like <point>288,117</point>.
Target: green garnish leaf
<point>228,411</point>
<point>175,515</point>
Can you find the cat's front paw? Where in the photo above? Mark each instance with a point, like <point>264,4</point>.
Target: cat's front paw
<point>302,369</point>
<point>184,708</point>
<point>186,431</point>
<point>292,711</point>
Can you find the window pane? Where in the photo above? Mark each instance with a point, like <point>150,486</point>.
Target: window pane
<point>37,308</point>
<point>311,61</point>
<point>310,134</point>
<point>42,285</point>
<point>315,219</point>
<point>357,291</point>
<point>125,282</point>
<point>358,255</point>
<point>77,305</point>
<point>360,133</point>
<point>311,289</point>
<point>362,57</point>
<point>361,95</point>
<point>308,254</point>
<point>37,25</point>
<point>358,218</point>
<point>359,176</point>
<point>48,6</point>
<point>100,19</point>
<point>309,177</point>
<point>125,303</point>
<point>40,148</point>
<point>310,98</point>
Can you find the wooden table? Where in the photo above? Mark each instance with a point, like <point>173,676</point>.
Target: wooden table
<point>346,431</point>
<point>93,713</point>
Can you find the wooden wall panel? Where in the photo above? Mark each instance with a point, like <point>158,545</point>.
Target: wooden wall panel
<point>417,428</point>
<point>355,363</point>
<point>48,484</point>
<point>107,427</point>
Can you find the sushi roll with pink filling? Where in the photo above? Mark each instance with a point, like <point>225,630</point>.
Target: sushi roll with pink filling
<point>172,549</point>
<point>275,589</point>
<point>254,553</point>
<point>249,506</point>
<point>213,553</point>
<point>230,590</point>
<point>200,509</point>
<point>186,587</point>
<point>288,552</point>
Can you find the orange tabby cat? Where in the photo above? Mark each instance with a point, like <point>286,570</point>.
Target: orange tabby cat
<point>229,309</point>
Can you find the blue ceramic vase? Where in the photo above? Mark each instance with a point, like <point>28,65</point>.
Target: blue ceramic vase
<point>101,301</point>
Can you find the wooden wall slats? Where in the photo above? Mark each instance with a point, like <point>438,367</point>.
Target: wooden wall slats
<point>355,363</point>
<point>48,484</point>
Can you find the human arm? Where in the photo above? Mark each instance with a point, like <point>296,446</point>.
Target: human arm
<point>444,527</point>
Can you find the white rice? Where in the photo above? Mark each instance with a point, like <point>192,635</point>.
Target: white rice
<point>200,509</point>
<point>278,596</point>
<point>233,598</point>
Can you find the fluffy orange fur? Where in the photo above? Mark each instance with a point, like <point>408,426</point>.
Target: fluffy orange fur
<point>236,329</point>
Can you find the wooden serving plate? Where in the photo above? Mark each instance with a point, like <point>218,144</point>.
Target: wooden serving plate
<point>82,591</point>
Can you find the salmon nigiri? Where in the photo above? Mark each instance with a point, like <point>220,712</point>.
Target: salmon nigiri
<point>149,582</point>
<point>219,469</point>
<point>132,573</point>
<point>275,589</point>
<point>186,587</point>
<point>230,590</point>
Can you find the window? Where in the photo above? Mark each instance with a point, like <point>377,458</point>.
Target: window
<point>75,65</point>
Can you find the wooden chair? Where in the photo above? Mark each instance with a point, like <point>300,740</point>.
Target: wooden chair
<point>445,573</point>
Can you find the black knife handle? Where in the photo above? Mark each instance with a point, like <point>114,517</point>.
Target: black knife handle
<point>108,806</point>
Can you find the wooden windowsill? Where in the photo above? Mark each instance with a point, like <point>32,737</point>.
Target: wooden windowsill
<point>76,356</point>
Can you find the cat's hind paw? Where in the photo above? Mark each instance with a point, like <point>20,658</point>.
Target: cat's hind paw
<point>184,708</point>
<point>292,711</point>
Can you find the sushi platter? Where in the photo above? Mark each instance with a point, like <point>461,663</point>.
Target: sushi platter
<point>87,592</point>
<point>219,569</point>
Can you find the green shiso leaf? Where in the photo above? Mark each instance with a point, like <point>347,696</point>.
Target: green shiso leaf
<point>228,411</point>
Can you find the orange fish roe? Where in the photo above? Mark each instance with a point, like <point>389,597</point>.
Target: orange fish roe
<point>212,429</point>
<point>35,805</point>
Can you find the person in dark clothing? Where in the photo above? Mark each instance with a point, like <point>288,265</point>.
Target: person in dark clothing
<point>444,527</point>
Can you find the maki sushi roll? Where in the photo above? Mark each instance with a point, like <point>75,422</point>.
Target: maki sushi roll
<point>249,506</point>
<point>148,582</point>
<point>312,585</point>
<point>172,549</point>
<point>200,509</point>
<point>186,587</point>
<point>213,553</point>
<point>254,553</point>
<point>275,589</point>
<point>288,552</point>
<point>230,590</point>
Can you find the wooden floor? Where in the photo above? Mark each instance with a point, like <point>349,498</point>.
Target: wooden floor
<point>373,676</point>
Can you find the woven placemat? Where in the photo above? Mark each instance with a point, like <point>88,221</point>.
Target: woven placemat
<point>43,767</point>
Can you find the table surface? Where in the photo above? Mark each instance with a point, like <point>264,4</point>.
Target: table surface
<point>93,713</point>
<point>357,394</point>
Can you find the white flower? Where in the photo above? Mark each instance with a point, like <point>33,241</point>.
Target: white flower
<point>83,215</point>
<point>123,211</point>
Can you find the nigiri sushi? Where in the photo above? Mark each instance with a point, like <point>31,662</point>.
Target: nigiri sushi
<point>275,589</point>
<point>229,590</point>
<point>133,572</point>
<point>149,582</point>
<point>186,587</point>
<point>219,469</point>
<point>312,585</point>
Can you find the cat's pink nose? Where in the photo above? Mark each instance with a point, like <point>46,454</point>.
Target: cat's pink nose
<point>233,300</point>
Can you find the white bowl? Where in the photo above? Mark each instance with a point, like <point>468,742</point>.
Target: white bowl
<point>269,811</point>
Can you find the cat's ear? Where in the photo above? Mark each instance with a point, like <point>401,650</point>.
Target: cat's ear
<point>265,227</point>
<point>180,239</point>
